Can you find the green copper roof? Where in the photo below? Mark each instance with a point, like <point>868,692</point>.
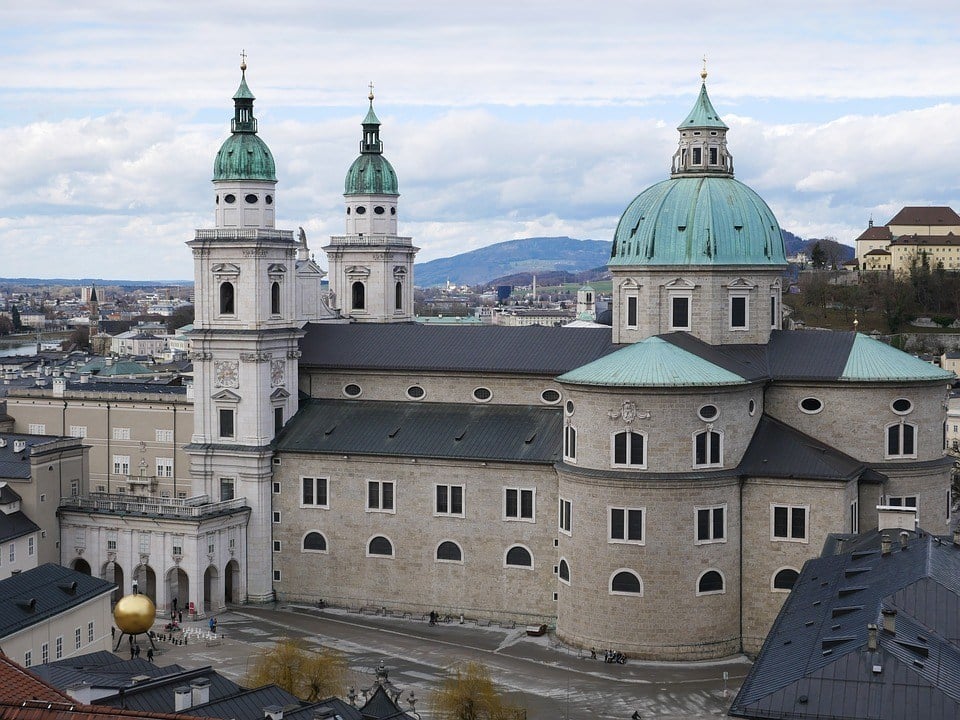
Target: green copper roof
<point>371,118</point>
<point>698,221</point>
<point>871,359</point>
<point>243,155</point>
<point>371,173</point>
<point>243,92</point>
<point>703,115</point>
<point>651,363</point>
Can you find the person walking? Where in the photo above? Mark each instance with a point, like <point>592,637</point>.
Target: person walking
<point>150,654</point>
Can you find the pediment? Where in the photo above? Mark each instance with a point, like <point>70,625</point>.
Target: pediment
<point>279,394</point>
<point>225,396</point>
<point>357,271</point>
<point>680,284</point>
<point>740,284</point>
<point>276,268</point>
<point>226,269</point>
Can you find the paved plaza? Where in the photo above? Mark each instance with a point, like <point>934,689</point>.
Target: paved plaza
<point>550,680</point>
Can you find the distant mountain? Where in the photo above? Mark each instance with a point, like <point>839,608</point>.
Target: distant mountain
<point>832,248</point>
<point>529,255</point>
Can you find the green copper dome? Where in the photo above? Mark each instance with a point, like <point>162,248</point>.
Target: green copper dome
<point>698,221</point>
<point>243,155</point>
<point>371,173</point>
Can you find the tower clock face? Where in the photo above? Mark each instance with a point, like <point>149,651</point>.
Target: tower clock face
<point>227,373</point>
<point>276,373</point>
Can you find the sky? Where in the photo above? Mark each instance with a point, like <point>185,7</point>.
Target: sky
<point>503,120</point>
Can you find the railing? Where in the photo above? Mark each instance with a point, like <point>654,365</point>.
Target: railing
<point>244,234</point>
<point>160,507</point>
<point>370,240</point>
<point>141,480</point>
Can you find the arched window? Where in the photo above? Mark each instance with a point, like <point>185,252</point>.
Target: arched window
<point>564,571</point>
<point>275,298</point>
<point>314,542</point>
<point>707,448</point>
<point>226,298</point>
<point>629,449</point>
<point>519,556</point>
<point>625,582</point>
<point>379,545</point>
<point>902,440</point>
<point>398,295</point>
<point>785,579</point>
<point>358,296</point>
<point>709,583</point>
<point>449,551</point>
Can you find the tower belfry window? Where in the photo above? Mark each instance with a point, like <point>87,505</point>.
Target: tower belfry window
<point>398,299</point>
<point>275,298</point>
<point>358,296</point>
<point>227,299</point>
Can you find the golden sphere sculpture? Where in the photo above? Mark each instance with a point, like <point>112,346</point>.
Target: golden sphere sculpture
<point>134,614</point>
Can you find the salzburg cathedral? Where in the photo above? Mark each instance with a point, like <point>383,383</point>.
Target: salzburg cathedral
<point>653,483</point>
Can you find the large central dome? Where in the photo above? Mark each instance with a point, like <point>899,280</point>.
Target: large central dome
<point>701,215</point>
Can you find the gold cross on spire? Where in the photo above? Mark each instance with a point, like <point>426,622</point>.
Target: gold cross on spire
<point>370,96</point>
<point>243,60</point>
<point>703,73</point>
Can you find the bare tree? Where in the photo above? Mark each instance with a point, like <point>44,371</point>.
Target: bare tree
<point>309,675</point>
<point>468,693</point>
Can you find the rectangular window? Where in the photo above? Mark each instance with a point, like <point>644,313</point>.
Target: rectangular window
<point>164,467</point>
<point>144,543</point>
<point>13,552</point>
<point>276,518</point>
<point>711,524</point>
<point>59,646</point>
<point>121,464</point>
<point>276,546</point>
<point>773,312</point>
<point>680,313</point>
<point>226,489</point>
<point>697,156</point>
<point>738,312</point>
<point>90,632</point>
<point>570,443</point>
<point>30,545</point>
<point>627,525</point>
<point>449,500</point>
<point>519,504</point>
<point>74,488</point>
<point>565,516</point>
<point>277,420</point>
<point>164,436</point>
<point>313,492</point>
<point>380,496</point>
<point>37,429</point>
<point>789,522</point>
<point>713,156</point>
<point>902,501</point>
<point>276,488</point>
<point>27,659</point>
<point>855,516</point>
<point>632,311</point>
<point>276,576</point>
<point>45,653</point>
<point>79,431</point>
<point>121,433</point>
<point>226,423</point>
<point>77,639</point>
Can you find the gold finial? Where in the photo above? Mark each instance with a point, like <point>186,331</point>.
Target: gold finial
<point>703,73</point>
<point>856,321</point>
<point>370,96</point>
<point>243,61</point>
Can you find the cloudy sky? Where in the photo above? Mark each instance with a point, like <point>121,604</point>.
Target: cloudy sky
<point>502,119</point>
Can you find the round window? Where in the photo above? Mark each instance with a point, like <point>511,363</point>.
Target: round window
<point>352,390</point>
<point>901,406</point>
<point>230,198</point>
<point>811,405</point>
<point>361,210</point>
<point>569,407</point>
<point>708,412</point>
<point>482,394</point>
<point>415,392</point>
<point>251,199</point>
<point>550,396</point>
<point>268,199</point>
<point>379,210</point>
<point>752,407</point>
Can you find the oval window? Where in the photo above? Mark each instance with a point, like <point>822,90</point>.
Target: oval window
<point>393,211</point>
<point>218,199</point>
<point>269,199</point>
<point>230,198</point>
<point>708,412</point>
<point>550,396</point>
<point>352,390</point>
<point>752,407</point>
<point>569,407</point>
<point>901,406</point>
<point>361,210</point>
<point>348,211</point>
<point>482,394</point>
<point>811,405</point>
<point>416,392</point>
<point>379,210</point>
<point>251,199</point>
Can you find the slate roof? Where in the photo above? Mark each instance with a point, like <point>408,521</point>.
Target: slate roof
<point>8,495</point>
<point>51,587</point>
<point>17,464</point>
<point>815,662</point>
<point>535,350</point>
<point>16,524</point>
<point>512,433</point>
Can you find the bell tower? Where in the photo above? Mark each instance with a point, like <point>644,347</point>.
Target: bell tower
<point>245,337</point>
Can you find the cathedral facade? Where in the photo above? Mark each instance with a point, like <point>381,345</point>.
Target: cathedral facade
<point>654,485</point>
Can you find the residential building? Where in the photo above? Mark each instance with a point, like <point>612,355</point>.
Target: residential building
<point>914,236</point>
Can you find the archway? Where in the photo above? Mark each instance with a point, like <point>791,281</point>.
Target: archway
<point>211,589</point>
<point>231,582</point>
<point>146,581</point>
<point>81,565</point>
<point>178,586</point>
<point>112,572</point>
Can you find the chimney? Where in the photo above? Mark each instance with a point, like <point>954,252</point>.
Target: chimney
<point>200,691</point>
<point>19,445</point>
<point>889,621</point>
<point>181,698</point>
<point>904,539</point>
<point>273,712</point>
<point>956,535</point>
<point>59,386</point>
<point>885,544</point>
<point>871,637</point>
<point>85,377</point>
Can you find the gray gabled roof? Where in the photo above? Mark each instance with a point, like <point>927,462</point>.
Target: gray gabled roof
<point>15,525</point>
<point>534,350</point>
<point>512,433</point>
<point>815,662</point>
<point>15,464</point>
<point>38,594</point>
